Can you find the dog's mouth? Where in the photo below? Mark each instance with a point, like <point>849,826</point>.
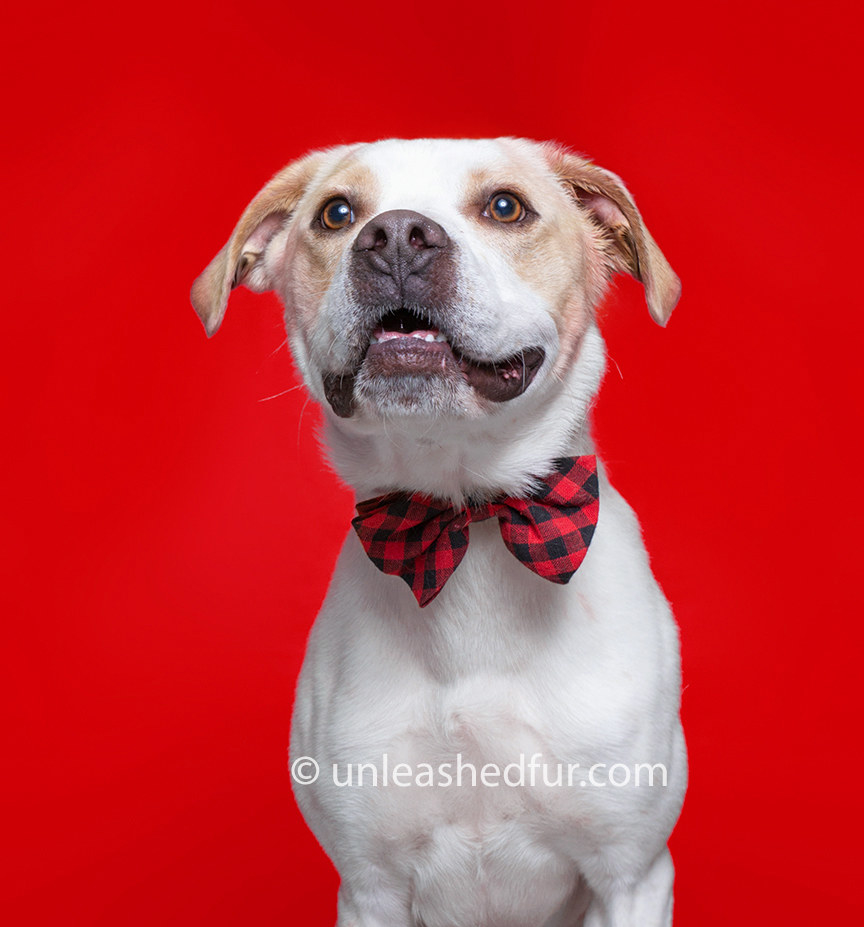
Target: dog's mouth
<point>404,343</point>
<point>407,343</point>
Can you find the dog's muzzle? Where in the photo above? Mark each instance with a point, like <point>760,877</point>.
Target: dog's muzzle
<point>403,273</point>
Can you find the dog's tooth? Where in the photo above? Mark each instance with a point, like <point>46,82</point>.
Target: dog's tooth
<point>429,337</point>
<point>439,337</point>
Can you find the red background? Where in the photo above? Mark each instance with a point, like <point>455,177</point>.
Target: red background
<point>172,532</point>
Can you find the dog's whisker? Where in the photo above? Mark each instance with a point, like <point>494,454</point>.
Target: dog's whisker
<point>275,351</point>
<point>332,343</point>
<point>611,358</point>
<point>300,420</point>
<point>284,392</point>
<point>432,424</point>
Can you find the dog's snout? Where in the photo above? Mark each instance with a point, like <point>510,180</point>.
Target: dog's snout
<point>400,242</point>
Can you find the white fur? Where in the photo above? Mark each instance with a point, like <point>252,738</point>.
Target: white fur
<point>503,662</point>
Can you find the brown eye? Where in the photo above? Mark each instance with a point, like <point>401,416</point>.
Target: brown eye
<point>505,207</point>
<point>337,214</point>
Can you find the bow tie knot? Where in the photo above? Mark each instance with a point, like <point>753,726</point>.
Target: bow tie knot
<point>423,540</point>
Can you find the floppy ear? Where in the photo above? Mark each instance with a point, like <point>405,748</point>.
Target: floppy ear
<point>236,262</point>
<point>628,245</point>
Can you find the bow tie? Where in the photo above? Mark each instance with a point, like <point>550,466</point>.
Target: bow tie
<point>424,540</point>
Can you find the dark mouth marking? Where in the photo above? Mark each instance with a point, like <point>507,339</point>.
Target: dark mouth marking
<point>403,343</point>
<point>339,392</point>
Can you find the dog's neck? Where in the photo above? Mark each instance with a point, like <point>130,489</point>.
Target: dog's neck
<point>469,460</point>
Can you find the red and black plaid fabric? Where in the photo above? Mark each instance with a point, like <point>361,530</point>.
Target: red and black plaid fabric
<point>424,540</point>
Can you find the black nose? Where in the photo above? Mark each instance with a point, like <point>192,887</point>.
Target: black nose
<point>401,242</point>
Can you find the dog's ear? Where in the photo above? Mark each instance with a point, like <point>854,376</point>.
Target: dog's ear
<point>626,243</point>
<point>238,261</point>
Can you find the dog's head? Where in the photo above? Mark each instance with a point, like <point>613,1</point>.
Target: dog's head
<point>432,280</point>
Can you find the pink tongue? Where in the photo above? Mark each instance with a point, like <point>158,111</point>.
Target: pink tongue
<point>382,335</point>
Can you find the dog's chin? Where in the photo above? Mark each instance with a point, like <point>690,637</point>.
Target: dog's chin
<point>408,370</point>
<point>414,395</point>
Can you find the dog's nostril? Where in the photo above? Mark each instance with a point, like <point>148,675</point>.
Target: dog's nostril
<point>400,237</point>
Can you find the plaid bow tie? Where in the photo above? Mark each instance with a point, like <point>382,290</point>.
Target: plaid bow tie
<point>423,541</point>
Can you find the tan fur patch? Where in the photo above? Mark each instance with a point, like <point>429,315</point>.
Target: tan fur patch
<point>316,253</point>
<point>625,239</point>
<point>321,174</point>
<point>554,253</point>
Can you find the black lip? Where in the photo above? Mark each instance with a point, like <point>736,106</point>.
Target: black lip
<point>497,381</point>
<point>490,381</point>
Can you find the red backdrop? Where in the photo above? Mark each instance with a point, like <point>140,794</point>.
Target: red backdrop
<point>172,529</point>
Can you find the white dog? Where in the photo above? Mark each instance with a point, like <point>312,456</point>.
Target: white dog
<point>440,301</point>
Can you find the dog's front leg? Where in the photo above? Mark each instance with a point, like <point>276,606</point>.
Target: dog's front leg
<point>370,901</point>
<point>646,902</point>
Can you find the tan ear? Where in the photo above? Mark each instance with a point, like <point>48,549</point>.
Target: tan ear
<point>261,220</point>
<point>629,245</point>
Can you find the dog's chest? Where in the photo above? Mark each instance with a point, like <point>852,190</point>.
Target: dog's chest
<point>465,817</point>
<point>512,679</point>
<point>502,671</point>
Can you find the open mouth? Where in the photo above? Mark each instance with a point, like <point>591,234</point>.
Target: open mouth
<point>403,343</point>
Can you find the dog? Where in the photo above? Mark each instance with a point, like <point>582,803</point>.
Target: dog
<point>440,300</point>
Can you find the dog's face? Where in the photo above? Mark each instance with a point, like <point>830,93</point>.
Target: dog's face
<point>436,278</point>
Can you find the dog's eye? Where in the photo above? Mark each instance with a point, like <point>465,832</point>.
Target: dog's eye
<point>337,214</point>
<point>505,207</point>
